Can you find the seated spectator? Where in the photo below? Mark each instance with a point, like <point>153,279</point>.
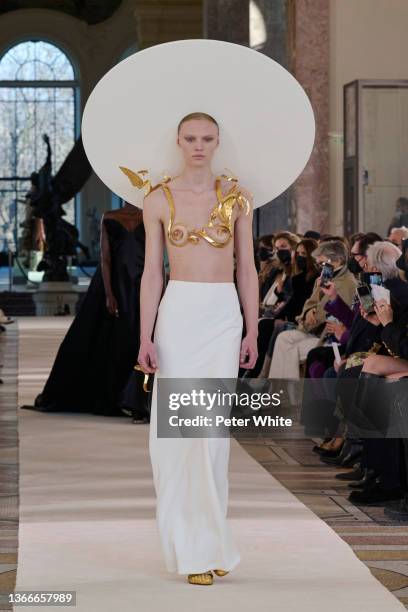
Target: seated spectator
<point>397,235</point>
<point>312,234</point>
<point>295,344</point>
<point>320,360</point>
<point>263,251</point>
<point>276,290</point>
<point>367,338</point>
<point>278,267</point>
<point>305,273</point>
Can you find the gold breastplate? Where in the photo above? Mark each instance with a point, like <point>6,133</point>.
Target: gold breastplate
<point>219,229</point>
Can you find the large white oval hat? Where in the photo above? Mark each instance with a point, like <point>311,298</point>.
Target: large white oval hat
<point>266,121</point>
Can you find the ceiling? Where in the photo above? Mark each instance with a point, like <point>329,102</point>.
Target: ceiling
<point>91,11</point>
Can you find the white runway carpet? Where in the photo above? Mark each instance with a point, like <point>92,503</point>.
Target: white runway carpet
<point>87,520</point>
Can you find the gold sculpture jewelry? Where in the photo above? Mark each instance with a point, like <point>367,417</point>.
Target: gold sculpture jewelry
<point>137,179</point>
<point>219,230</point>
<point>220,220</point>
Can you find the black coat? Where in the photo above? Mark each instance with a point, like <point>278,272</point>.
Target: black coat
<point>301,289</point>
<point>363,334</point>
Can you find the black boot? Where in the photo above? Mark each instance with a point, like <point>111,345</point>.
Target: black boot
<point>368,478</point>
<point>375,494</point>
<point>368,395</point>
<point>355,474</point>
<point>399,512</point>
<point>349,454</point>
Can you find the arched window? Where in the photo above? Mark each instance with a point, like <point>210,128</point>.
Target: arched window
<point>38,91</point>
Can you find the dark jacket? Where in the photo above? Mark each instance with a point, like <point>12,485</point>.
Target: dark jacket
<point>363,334</point>
<point>301,289</point>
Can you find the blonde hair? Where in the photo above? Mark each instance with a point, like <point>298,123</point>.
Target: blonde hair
<point>197,116</point>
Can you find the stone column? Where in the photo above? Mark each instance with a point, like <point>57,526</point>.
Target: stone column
<point>309,40</point>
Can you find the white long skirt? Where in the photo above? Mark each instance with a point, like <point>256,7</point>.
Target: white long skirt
<point>197,335</point>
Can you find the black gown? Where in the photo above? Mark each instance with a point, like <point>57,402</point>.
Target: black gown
<point>97,355</point>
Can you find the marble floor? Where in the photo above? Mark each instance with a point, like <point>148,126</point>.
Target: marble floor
<point>380,543</point>
<point>8,462</point>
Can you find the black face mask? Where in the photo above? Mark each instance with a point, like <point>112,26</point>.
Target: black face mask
<point>354,266</point>
<point>264,254</point>
<point>301,261</point>
<point>284,256</point>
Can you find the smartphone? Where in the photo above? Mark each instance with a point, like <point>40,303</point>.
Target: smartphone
<point>376,278</point>
<point>366,299</point>
<point>327,274</point>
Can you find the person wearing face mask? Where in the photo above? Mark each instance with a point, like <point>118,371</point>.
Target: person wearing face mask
<point>275,291</point>
<point>358,253</point>
<point>278,269</point>
<point>295,344</point>
<point>305,273</point>
<point>263,252</point>
<point>369,337</point>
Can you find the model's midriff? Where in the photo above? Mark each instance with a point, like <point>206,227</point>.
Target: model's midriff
<point>201,262</point>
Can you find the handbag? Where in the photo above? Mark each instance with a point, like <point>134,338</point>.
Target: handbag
<point>135,398</point>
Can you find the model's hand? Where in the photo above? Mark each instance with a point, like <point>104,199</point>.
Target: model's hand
<point>112,305</point>
<point>249,352</point>
<point>147,358</point>
<point>384,312</point>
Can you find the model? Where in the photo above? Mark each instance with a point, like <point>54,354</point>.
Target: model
<point>198,334</point>
<point>255,119</point>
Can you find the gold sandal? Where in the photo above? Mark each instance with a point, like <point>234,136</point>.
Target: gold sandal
<point>220,572</point>
<point>205,578</point>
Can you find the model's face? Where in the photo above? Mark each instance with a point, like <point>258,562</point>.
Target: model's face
<point>198,139</point>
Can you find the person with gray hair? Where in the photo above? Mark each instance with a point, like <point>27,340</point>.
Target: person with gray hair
<point>382,257</point>
<point>295,344</point>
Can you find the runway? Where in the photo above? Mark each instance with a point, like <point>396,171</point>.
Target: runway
<point>87,519</point>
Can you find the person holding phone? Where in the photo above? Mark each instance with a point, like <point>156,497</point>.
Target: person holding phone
<point>332,256</point>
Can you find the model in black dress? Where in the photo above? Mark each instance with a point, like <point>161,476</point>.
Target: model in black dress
<point>100,348</point>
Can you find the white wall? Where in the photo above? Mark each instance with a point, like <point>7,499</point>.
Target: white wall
<point>368,40</point>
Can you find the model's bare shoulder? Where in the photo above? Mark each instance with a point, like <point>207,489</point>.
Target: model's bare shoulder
<point>245,192</point>
<point>154,204</point>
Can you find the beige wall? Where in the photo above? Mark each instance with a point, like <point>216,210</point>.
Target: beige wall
<point>368,40</point>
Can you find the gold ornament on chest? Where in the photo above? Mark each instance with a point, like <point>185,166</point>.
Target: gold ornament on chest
<point>219,229</point>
